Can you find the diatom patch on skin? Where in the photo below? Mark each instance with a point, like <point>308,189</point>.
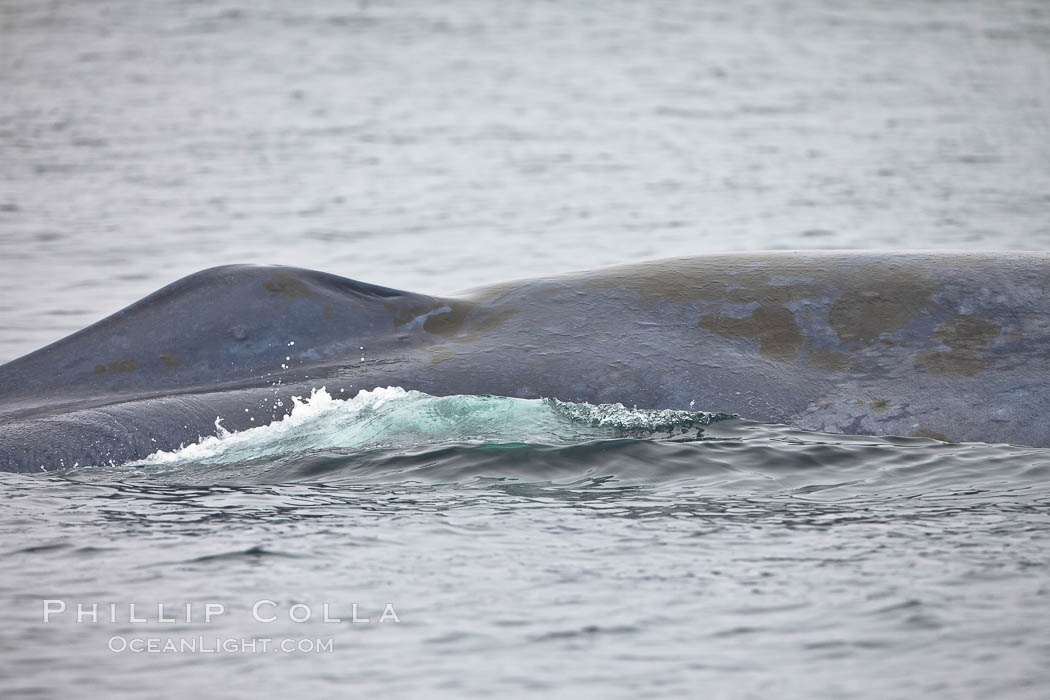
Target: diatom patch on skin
<point>440,354</point>
<point>448,319</point>
<point>129,365</point>
<point>287,287</point>
<point>829,360</point>
<point>882,298</point>
<point>962,332</point>
<point>708,279</point>
<point>933,435</point>
<point>966,336</point>
<point>778,335</point>
<point>170,361</point>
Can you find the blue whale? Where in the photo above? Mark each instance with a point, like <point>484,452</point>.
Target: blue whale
<point>950,346</point>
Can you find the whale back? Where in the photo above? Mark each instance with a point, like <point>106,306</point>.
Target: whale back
<point>954,347</point>
<point>220,327</point>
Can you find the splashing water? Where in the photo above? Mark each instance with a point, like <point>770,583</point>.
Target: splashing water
<point>393,417</point>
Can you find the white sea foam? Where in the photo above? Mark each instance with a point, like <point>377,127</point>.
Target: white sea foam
<point>396,417</point>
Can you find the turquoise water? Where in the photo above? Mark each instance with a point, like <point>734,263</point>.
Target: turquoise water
<point>502,547</point>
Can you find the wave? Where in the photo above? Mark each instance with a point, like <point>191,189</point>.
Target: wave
<point>393,417</point>
<point>394,436</point>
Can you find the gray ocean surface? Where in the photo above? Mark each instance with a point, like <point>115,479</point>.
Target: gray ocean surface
<point>523,547</point>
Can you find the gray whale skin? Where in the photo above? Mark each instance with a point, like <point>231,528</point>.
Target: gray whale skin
<point>950,346</point>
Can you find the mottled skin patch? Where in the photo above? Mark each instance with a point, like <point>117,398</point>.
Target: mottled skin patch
<point>406,313</point>
<point>949,365</point>
<point>492,291</point>
<point>287,287</point>
<point>966,335</point>
<point>882,299</point>
<point>439,355</point>
<point>829,360</point>
<point>778,335</point>
<point>933,435</point>
<point>452,325</point>
<point>880,405</point>
<point>449,324</point>
<point>870,300</point>
<point>706,280</point>
<point>964,332</point>
<point>772,293</point>
<point>491,321</point>
<point>170,361</point>
<point>129,365</point>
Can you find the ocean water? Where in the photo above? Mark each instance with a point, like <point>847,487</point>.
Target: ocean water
<point>498,546</point>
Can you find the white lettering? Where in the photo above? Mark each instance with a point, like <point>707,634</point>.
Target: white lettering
<point>389,614</point>
<point>259,604</point>
<point>84,611</point>
<point>295,618</point>
<point>213,610</point>
<point>53,607</point>
<point>327,617</point>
